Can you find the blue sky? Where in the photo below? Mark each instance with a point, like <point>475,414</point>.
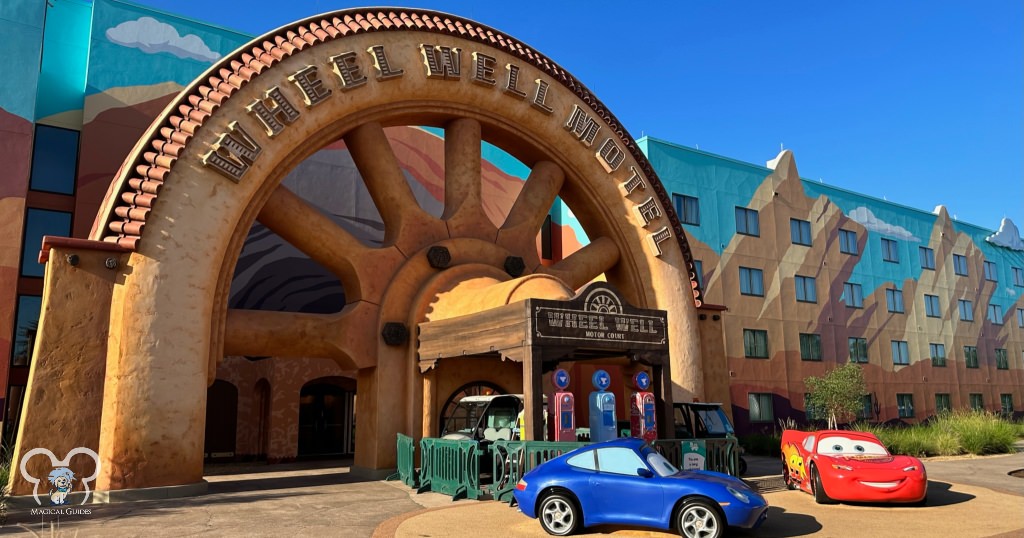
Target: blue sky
<point>917,102</point>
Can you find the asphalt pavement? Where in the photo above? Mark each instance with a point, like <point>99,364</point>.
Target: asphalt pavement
<point>967,497</point>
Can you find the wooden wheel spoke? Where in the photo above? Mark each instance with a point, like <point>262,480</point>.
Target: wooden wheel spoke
<point>315,234</point>
<point>348,336</point>
<point>403,217</point>
<point>519,232</point>
<point>585,264</point>
<point>463,206</point>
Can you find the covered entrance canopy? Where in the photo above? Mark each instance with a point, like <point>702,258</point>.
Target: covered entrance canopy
<point>596,324</point>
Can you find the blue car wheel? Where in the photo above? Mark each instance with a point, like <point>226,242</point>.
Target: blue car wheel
<point>698,519</point>
<point>559,515</point>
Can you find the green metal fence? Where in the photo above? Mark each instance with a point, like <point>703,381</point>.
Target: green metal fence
<point>450,467</point>
<point>721,455</point>
<point>407,460</point>
<point>453,467</point>
<point>512,459</point>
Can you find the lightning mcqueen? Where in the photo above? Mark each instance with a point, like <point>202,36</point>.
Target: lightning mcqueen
<point>838,465</point>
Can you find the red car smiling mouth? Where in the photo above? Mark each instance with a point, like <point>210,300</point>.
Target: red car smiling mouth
<point>883,485</point>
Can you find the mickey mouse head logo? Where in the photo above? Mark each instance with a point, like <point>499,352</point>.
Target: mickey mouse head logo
<point>59,464</point>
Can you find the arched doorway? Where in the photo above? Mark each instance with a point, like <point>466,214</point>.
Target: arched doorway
<point>212,165</point>
<point>450,407</point>
<point>327,417</point>
<point>262,419</point>
<point>221,421</point>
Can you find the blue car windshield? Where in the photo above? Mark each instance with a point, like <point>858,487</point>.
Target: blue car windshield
<point>661,465</point>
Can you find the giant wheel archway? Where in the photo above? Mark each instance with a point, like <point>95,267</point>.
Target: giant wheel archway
<point>213,163</point>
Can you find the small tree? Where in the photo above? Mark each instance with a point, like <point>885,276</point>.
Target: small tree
<point>837,393</point>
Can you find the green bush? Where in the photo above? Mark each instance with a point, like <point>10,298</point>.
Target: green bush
<point>979,432</point>
<point>950,434</point>
<point>762,444</point>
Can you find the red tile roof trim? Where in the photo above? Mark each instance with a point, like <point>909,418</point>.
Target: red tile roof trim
<point>202,98</point>
<point>53,241</point>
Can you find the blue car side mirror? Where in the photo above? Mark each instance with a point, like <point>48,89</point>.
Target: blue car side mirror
<point>644,472</point>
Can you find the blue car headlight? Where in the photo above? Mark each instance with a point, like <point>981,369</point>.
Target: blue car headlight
<point>739,495</point>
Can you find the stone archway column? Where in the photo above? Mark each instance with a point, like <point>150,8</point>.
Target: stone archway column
<point>154,409</point>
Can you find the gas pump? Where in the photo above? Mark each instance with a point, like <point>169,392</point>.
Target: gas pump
<point>565,414</point>
<point>602,409</point>
<point>642,423</point>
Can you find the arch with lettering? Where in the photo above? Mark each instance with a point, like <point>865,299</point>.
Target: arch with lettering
<point>212,165</point>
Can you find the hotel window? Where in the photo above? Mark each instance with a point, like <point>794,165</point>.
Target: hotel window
<point>977,402</point>
<point>1020,317</point>
<point>890,251</point>
<point>866,405</point>
<point>905,404</point>
<point>927,256</point>
<point>966,310</point>
<point>25,327</point>
<point>1006,404</point>
<point>761,407</point>
<point>1002,361</point>
<point>900,352</point>
<point>991,272</point>
<point>800,232</point>
<point>688,209</point>
<point>894,300</point>
<point>15,402</point>
<point>853,295</point>
<point>806,289</point>
<point>942,404</point>
<point>746,222</point>
<point>811,412</point>
<point>931,306</point>
<point>751,281</point>
<point>698,269</point>
<point>858,349</point>
<point>810,347</point>
<point>54,158</point>
<point>1018,276</point>
<point>40,222</point>
<point>960,264</point>
<point>938,354</point>
<point>995,314</point>
<point>755,344</point>
<point>971,356</point>
<point>848,242</point>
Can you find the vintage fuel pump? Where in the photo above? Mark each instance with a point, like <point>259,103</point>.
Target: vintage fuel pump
<point>602,409</point>
<point>642,423</point>
<point>565,405</point>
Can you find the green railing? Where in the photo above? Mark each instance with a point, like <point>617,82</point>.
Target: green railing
<point>721,455</point>
<point>450,467</point>
<point>407,460</point>
<point>512,459</point>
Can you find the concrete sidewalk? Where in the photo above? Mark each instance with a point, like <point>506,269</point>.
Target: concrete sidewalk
<point>967,497</point>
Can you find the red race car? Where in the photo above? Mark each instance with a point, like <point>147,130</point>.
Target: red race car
<point>837,465</point>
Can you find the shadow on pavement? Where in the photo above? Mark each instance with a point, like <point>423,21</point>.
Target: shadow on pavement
<point>782,524</point>
<point>138,508</point>
<point>939,494</point>
<point>285,482</point>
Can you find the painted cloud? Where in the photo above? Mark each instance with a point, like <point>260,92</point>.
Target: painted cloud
<point>152,36</point>
<point>1007,236</point>
<point>866,218</point>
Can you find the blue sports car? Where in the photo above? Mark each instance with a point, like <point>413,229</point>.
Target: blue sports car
<point>626,482</point>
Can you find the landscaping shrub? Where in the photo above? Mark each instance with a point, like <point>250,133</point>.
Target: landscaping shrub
<point>950,434</point>
<point>762,444</point>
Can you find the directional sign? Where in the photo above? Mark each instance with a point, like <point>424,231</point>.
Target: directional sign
<point>560,378</point>
<point>601,380</point>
